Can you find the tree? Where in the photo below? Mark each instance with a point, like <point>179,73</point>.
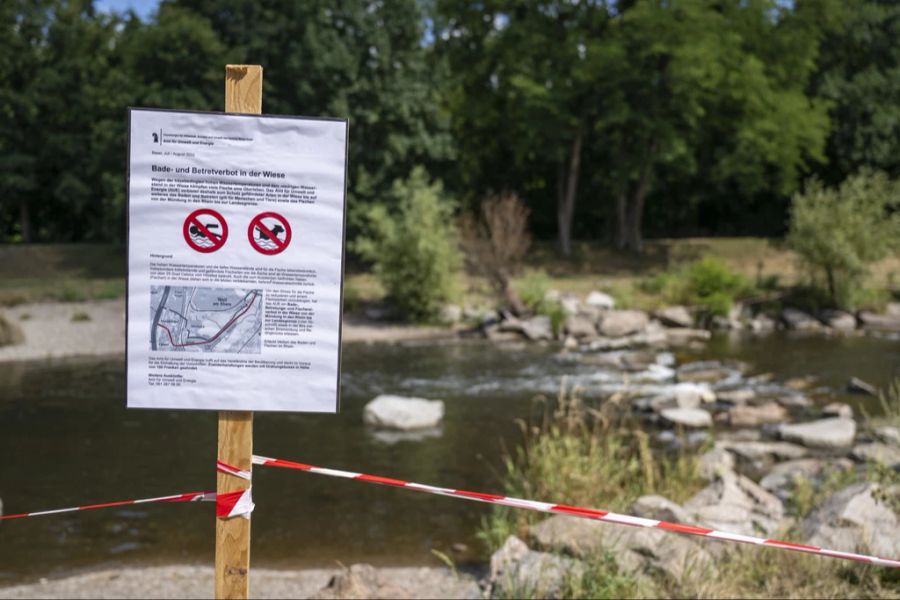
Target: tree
<point>361,59</point>
<point>859,75</point>
<point>523,95</point>
<point>414,247</point>
<point>714,89</point>
<point>839,232</point>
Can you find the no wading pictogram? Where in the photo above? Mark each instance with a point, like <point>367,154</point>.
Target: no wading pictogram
<point>269,233</point>
<point>205,230</point>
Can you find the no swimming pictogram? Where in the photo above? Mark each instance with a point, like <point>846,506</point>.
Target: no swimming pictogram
<point>269,233</point>
<point>205,230</point>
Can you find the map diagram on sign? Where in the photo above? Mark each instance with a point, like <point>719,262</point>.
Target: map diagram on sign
<point>199,319</point>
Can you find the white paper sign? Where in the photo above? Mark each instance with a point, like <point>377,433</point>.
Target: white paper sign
<point>235,261</point>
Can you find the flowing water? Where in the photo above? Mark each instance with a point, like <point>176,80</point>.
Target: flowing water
<point>66,438</point>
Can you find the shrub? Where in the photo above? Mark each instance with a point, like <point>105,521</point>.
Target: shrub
<point>496,240</point>
<point>533,294</point>
<point>414,248</point>
<point>839,232</point>
<point>708,283</point>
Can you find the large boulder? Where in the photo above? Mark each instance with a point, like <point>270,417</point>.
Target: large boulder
<point>619,323</point>
<point>405,414</point>
<point>782,478</point>
<point>824,433</point>
<point>854,520</point>
<point>877,452</point>
<point>755,415</point>
<point>518,571</point>
<point>692,395</point>
<point>580,326</point>
<point>675,316</point>
<point>600,301</point>
<point>538,328</point>
<point>838,320</point>
<point>687,417</point>
<point>799,320</point>
<point>875,322</point>
<point>635,550</point>
<point>735,504</point>
<point>659,508</point>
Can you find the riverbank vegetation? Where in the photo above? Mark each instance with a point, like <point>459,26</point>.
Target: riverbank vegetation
<point>589,454</point>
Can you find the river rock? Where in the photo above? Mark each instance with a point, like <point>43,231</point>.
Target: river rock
<point>675,316</point>
<point>360,581</point>
<point>853,520</point>
<point>824,433</point>
<point>763,323</point>
<point>838,409</point>
<point>712,462</point>
<point>518,571</point>
<point>753,416</point>
<point>857,386</point>
<point>619,323</point>
<point>600,300</point>
<point>687,417</point>
<point>450,313</point>
<point>405,414</point>
<point>538,328</point>
<point>799,321</point>
<point>755,458</point>
<point>888,456</point>
<point>707,371</point>
<point>579,326</point>
<point>634,549</point>
<point>736,397</point>
<point>888,434</point>
<point>734,503</point>
<point>875,322</point>
<point>782,478</point>
<point>680,336</point>
<point>659,508</point>
<point>794,401</point>
<point>838,320</point>
<point>692,395</point>
<point>10,333</point>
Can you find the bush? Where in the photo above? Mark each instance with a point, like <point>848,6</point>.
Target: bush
<point>414,248</point>
<point>708,283</point>
<point>533,295</point>
<point>496,240</point>
<point>840,232</point>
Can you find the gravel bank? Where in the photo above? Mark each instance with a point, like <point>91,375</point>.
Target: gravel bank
<point>197,582</point>
<point>63,329</point>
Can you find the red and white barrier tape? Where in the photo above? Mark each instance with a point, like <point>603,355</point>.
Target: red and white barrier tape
<point>576,511</point>
<point>189,497</point>
<point>238,503</point>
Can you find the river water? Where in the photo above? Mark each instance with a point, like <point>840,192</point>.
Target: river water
<point>66,438</point>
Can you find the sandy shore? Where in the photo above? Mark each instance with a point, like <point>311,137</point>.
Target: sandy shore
<point>97,328</point>
<point>197,582</point>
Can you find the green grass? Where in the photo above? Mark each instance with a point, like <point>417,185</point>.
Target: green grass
<point>586,456</point>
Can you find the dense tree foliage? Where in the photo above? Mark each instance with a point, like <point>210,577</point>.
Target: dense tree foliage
<point>610,119</point>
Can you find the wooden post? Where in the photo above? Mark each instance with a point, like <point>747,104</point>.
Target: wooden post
<point>243,94</point>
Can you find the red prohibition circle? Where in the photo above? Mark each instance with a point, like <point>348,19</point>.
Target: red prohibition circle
<point>201,236</point>
<point>267,236</point>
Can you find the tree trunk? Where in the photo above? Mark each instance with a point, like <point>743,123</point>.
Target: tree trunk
<point>566,195</point>
<point>832,288</point>
<point>631,221</point>
<point>24,220</point>
<point>622,220</point>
